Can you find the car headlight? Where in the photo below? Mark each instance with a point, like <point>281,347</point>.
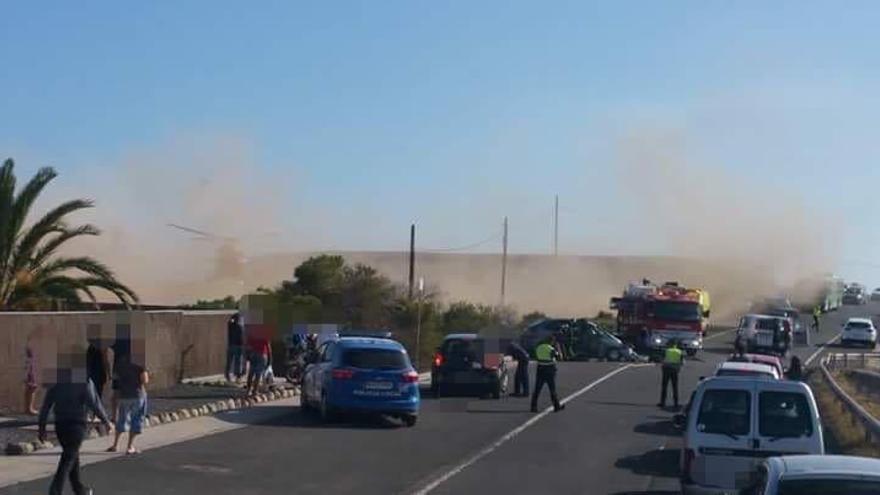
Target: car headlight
<point>658,340</point>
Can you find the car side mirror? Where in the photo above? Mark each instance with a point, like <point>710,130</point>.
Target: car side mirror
<point>679,420</point>
<point>702,378</point>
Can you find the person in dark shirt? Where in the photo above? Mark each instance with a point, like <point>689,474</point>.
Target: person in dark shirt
<point>97,365</point>
<point>132,406</point>
<point>521,378</point>
<point>71,403</point>
<point>234,348</point>
<point>121,351</point>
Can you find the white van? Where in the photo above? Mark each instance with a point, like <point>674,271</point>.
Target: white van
<point>733,423</point>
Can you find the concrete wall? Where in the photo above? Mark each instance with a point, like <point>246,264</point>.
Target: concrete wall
<point>177,344</point>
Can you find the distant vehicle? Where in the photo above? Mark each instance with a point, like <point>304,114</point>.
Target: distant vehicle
<point>855,294</point>
<point>593,342</point>
<point>465,361</point>
<point>817,475</point>
<point>773,361</point>
<point>859,331</point>
<point>539,331</point>
<point>765,334</point>
<point>752,370</point>
<point>875,295</point>
<point>732,423</point>
<point>650,316</point>
<point>362,374</point>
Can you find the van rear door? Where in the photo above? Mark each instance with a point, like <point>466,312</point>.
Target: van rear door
<point>788,420</point>
<point>722,435</point>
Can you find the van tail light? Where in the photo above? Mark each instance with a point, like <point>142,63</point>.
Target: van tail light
<point>687,463</point>
<point>410,377</point>
<point>438,359</point>
<point>342,374</point>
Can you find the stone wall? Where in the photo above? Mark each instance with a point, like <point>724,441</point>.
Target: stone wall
<point>177,344</point>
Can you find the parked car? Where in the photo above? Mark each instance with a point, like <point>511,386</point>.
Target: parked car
<point>773,361</point>
<point>731,423</point>
<point>468,362</point>
<point>817,475</point>
<point>361,374</point>
<point>859,331</point>
<point>875,295</point>
<point>754,370</point>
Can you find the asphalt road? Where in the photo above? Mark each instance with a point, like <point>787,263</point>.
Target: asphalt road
<point>611,439</point>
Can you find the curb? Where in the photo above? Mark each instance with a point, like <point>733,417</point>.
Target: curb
<point>153,420</point>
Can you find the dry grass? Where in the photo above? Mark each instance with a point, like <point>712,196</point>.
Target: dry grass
<point>843,434</point>
<point>867,400</point>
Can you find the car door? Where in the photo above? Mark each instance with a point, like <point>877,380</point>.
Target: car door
<point>787,421</point>
<point>324,366</point>
<point>721,434</point>
<point>312,375</point>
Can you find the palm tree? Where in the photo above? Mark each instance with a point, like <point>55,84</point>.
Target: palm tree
<point>32,275</point>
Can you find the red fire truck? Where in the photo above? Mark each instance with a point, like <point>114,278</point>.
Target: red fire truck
<point>650,316</point>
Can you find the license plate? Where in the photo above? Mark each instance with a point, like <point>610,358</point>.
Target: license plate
<point>378,385</point>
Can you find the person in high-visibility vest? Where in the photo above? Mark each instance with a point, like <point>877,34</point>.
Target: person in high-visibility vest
<point>673,359</point>
<point>546,356</point>
<point>816,314</point>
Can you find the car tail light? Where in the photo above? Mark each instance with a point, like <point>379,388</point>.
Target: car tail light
<point>686,465</point>
<point>438,359</point>
<point>343,374</point>
<point>410,377</point>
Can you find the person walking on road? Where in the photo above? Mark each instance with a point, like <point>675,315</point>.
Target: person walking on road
<point>673,359</point>
<point>795,370</point>
<point>71,401</point>
<point>259,356</point>
<point>546,355</point>
<point>97,365</point>
<point>234,348</point>
<point>132,404</point>
<point>521,378</point>
<point>816,314</point>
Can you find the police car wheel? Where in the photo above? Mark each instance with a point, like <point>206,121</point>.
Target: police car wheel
<point>613,355</point>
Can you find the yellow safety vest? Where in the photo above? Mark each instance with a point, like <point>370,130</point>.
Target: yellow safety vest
<point>544,353</point>
<point>673,357</point>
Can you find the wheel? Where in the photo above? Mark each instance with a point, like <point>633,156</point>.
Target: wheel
<point>613,355</point>
<point>327,413</point>
<point>304,404</point>
<point>410,420</point>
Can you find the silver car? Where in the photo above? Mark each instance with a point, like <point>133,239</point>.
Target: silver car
<point>817,474</point>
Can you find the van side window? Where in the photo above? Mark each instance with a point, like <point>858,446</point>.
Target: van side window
<point>784,415</point>
<point>725,412</point>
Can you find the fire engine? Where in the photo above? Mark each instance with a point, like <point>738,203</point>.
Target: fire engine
<point>650,316</point>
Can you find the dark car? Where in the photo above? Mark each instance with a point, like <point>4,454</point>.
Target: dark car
<point>593,342</point>
<point>469,363</point>
<point>538,331</point>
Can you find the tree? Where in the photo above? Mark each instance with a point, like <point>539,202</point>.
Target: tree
<point>32,275</point>
<point>367,297</point>
<point>228,302</point>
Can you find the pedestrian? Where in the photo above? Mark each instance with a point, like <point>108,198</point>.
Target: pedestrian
<point>30,378</point>
<point>546,354</point>
<point>71,401</point>
<point>259,357</point>
<point>132,404</point>
<point>795,370</point>
<point>121,351</point>
<point>521,378</point>
<point>234,348</point>
<point>97,365</point>
<point>816,313</point>
<point>673,359</point>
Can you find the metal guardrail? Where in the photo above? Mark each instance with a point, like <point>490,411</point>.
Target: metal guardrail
<point>858,413</point>
<point>847,360</point>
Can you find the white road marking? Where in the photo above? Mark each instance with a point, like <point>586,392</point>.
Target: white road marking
<point>819,350</point>
<point>512,433</point>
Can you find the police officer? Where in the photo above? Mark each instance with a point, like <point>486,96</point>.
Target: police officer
<point>672,361</point>
<point>546,355</point>
<point>816,313</point>
<point>521,378</point>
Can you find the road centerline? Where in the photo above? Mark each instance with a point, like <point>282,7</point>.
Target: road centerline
<point>514,432</point>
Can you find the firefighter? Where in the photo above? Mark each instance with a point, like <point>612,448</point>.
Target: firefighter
<point>546,355</point>
<point>673,359</point>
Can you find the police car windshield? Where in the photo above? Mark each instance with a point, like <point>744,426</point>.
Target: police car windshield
<point>675,311</point>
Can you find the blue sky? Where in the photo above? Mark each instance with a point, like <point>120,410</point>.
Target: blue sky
<point>361,117</point>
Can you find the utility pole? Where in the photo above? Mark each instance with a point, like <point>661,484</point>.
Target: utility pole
<point>556,227</point>
<point>419,324</point>
<point>504,263</point>
<point>412,258</point>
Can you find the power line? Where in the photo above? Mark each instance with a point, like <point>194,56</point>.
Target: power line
<point>493,237</point>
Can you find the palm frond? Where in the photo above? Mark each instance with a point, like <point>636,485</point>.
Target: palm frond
<point>64,235</point>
